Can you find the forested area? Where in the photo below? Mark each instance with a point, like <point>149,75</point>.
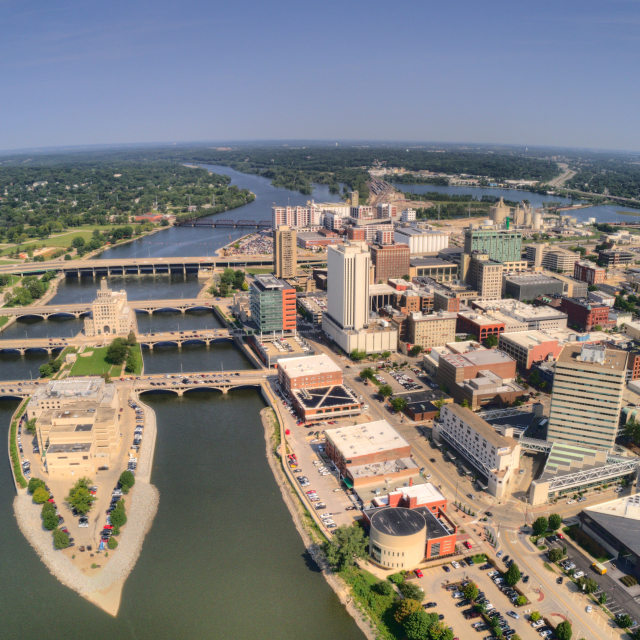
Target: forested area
<point>606,176</point>
<point>51,193</point>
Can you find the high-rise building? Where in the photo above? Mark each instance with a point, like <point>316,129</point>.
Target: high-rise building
<point>285,252</point>
<point>348,285</point>
<point>485,275</point>
<point>110,314</point>
<point>502,246</point>
<point>273,304</point>
<point>355,198</point>
<point>587,396</point>
<point>390,261</point>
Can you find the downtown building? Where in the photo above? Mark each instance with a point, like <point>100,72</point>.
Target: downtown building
<point>285,252</point>
<point>273,304</point>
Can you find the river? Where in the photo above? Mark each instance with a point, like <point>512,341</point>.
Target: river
<point>602,213</point>
<point>222,560</point>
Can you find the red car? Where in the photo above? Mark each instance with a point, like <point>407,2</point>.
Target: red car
<point>418,573</point>
<point>108,526</point>
<point>65,530</point>
<point>51,500</point>
<point>467,544</point>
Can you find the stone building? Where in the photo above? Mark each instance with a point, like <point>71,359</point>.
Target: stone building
<point>110,314</point>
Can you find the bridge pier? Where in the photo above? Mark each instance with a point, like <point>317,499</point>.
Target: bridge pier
<point>224,390</point>
<point>151,346</point>
<point>180,392</point>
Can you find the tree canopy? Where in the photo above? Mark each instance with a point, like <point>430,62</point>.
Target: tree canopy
<point>540,526</point>
<point>346,544</point>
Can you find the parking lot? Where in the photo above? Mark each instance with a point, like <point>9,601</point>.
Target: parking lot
<point>435,581</point>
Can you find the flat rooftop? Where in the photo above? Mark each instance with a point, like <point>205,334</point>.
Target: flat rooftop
<point>366,439</point>
<point>431,262</point>
<point>479,319</point>
<point>323,397</point>
<point>69,448</point>
<point>613,358</point>
<point>376,470</point>
<point>478,358</point>
<point>412,231</point>
<point>268,282</point>
<point>479,425</point>
<point>308,365</point>
<point>528,339</point>
<point>565,459</point>
<point>283,347</point>
<point>531,279</point>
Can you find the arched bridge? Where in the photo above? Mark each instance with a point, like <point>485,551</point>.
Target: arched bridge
<point>219,381</point>
<point>185,337</point>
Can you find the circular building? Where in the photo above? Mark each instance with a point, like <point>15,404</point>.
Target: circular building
<point>397,537</point>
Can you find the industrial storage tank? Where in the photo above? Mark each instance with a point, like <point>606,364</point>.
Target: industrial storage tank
<point>397,537</point>
<point>527,218</point>
<point>537,221</point>
<point>499,211</point>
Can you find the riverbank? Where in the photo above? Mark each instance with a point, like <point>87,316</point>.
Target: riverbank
<point>104,588</point>
<point>312,538</point>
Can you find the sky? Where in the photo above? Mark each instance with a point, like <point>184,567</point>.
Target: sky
<point>560,73</point>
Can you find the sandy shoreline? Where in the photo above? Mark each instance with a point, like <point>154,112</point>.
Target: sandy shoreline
<point>104,588</point>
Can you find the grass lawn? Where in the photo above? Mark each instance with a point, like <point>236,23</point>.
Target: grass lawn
<point>481,558</point>
<point>256,270</point>
<point>62,241</point>
<point>138,351</point>
<point>93,365</point>
<point>10,262</point>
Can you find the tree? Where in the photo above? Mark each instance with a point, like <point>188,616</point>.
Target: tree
<point>564,631</point>
<point>79,497</point>
<point>464,403</point>
<point>540,526</point>
<point>632,431</point>
<point>555,555</point>
<point>399,404</point>
<point>49,517</point>
<point>40,495</point>
<point>603,598</point>
<point>131,338</point>
<point>368,373</point>
<point>416,626</point>
<point>60,539</point>
<point>386,354</point>
<point>30,426</point>
<point>555,520</point>
<point>535,616</point>
<point>405,609</point>
<point>127,479</point>
<point>588,585</point>
<point>623,621</point>
<point>385,390</point>
<point>356,355</point>
<point>521,601</point>
<point>34,484</point>
<point>117,351</point>
<point>45,371</point>
<point>132,362</point>
<point>113,543</point>
<point>491,341</point>
<point>513,575</point>
<point>78,243</point>
<point>471,591</point>
<point>411,591</point>
<point>592,287</point>
<point>118,516</point>
<point>534,377</point>
<point>346,544</point>
<point>416,350</point>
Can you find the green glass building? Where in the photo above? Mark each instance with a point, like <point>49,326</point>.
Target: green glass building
<point>502,246</point>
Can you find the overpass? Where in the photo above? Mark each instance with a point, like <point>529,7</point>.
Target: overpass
<point>216,380</point>
<point>79,309</point>
<point>141,266</point>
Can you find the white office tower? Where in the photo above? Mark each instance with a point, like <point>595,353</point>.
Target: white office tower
<point>408,215</point>
<point>348,285</point>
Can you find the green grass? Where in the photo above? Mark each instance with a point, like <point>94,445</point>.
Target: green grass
<point>481,558</point>
<point>257,270</point>
<point>138,351</point>
<point>3,320</point>
<point>93,365</point>
<point>13,448</point>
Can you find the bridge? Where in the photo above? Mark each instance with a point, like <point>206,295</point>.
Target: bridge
<point>140,266</point>
<point>174,383</point>
<point>79,309</point>
<point>235,224</point>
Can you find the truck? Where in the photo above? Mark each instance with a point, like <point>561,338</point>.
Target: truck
<point>599,568</point>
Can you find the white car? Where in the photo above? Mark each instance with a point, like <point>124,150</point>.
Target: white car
<point>455,565</point>
<point>537,624</point>
<point>83,524</point>
<point>589,608</point>
<point>545,633</point>
<point>571,501</point>
<point>578,574</point>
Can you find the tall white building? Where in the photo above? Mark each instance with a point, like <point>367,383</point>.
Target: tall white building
<point>408,215</point>
<point>421,240</point>
<point>348,269</point>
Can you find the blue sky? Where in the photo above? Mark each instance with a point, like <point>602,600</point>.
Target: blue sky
<point>562,73</point>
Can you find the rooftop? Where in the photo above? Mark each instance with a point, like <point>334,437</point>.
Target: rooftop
<point>613,358</point>
<point>268,282</point>
<point>621,518</point>
<point>322,397</point>
<point>431,262</point>
<point>69,448</point>
<point>531,279</point>
<point>479,318</point>
<point>566,459</point>
<point>397,521</point>
<point>479,425</point>
<point>528,339</point>
<point>365,439</point>
<point>479,358</point>
<point>308,366</point>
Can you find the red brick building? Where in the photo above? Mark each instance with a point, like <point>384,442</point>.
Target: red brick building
<point>586,315</point>
<point>479,326</point>
<point>589,273</point>
<point>356,234</point>
<point>390,261</point>
<point>308,372</point>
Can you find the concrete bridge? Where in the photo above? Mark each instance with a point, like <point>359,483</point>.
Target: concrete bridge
<point>216,380</point>
<point>139,266</point>
<point>186,337</point>
<point>80,309</point>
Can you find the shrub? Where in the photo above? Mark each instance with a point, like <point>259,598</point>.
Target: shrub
<point>127,479</point>
<point>564,631</point>
<point>628,581</point>
<point>396,578</point>
<point>535,616</point>
<point>470,591</point>
<point>40,495</point>
<point>384,588</point>
<point>113,543</point>
<point>60,539</point>
<point>34,484</point>
<point>521,601</point>
<point>555,555</point>
<point>118,516</point>
<point>49,520</point>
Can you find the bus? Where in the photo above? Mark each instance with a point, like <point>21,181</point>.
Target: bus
<point>599,568</point>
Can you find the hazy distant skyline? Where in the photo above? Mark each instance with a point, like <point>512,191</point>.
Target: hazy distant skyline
<point>562,74</point>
